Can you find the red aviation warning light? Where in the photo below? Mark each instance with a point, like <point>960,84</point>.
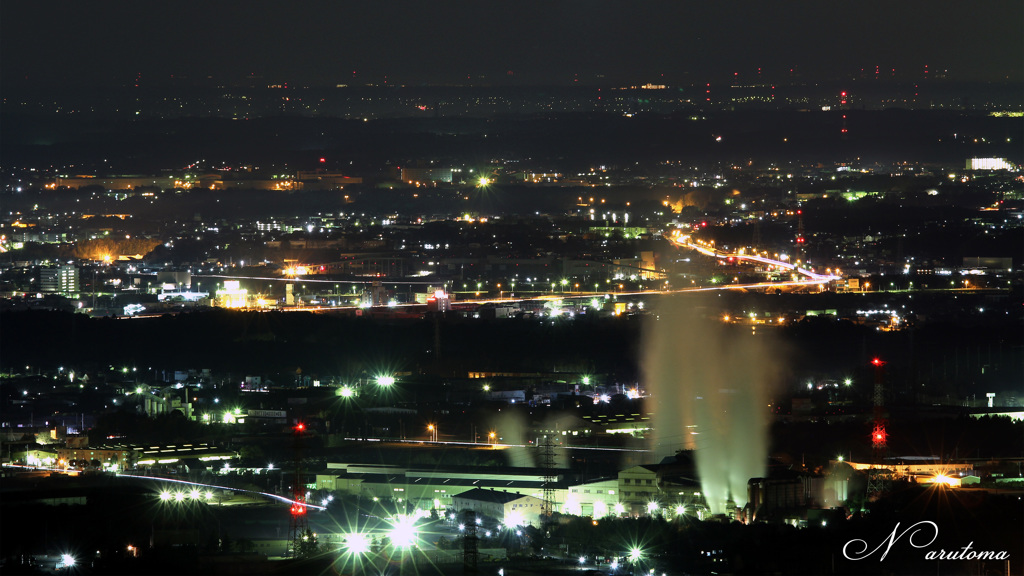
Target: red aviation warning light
<point>879,437</point>
<point>300,427</point>
<point>298,509</point>
<point>878,362</point>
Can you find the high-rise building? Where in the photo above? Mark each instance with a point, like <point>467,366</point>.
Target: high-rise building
<point>59,280</point>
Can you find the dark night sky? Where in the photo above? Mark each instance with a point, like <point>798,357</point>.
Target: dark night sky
<point>322,42</point>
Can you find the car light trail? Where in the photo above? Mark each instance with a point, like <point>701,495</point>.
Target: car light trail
<point>814,277</point>
<point>281,499</point>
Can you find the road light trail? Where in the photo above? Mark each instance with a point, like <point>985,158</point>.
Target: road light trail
<point>684,242</point>
<point>488,445</point>
<point>281,499</point>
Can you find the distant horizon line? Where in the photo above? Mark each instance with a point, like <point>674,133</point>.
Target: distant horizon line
<point>590,84</point>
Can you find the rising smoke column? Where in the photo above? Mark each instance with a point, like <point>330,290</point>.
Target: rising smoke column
<point>710,385</point>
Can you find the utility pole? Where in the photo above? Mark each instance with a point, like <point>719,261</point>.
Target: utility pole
<point>470,544</point>
<point>546,447</point>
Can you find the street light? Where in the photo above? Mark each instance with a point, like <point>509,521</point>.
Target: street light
<point>357,544</point>
<point>433,432</point>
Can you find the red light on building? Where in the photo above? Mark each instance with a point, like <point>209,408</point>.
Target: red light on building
<point>300,427</point>
<point>323,160</point>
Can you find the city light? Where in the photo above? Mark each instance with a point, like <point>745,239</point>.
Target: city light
<point>403,531</point>
<point>357,543</point>
<point>943,480</point>
<point>385,380</point>
<point>515,518</point>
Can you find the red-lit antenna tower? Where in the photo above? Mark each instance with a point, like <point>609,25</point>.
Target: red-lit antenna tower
<point>800,240</point>
<point>299,520</point>
<point>878,481</point>
<point>878,435</point>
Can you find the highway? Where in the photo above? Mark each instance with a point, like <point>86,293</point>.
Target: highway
<point>810,278</point>
<point>683,241</point>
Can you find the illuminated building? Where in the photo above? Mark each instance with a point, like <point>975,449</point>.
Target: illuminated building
<point>60,280</point>
<point>421,176</point>
<point>116,182</point>
<point>989,164</point>
<point>505,506</point>
<point>596,499</point>
<point>232,295</point>
<point>439,302</point>
<point>638,485</point>
<point>436,488</point>
<point>323,180</point>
